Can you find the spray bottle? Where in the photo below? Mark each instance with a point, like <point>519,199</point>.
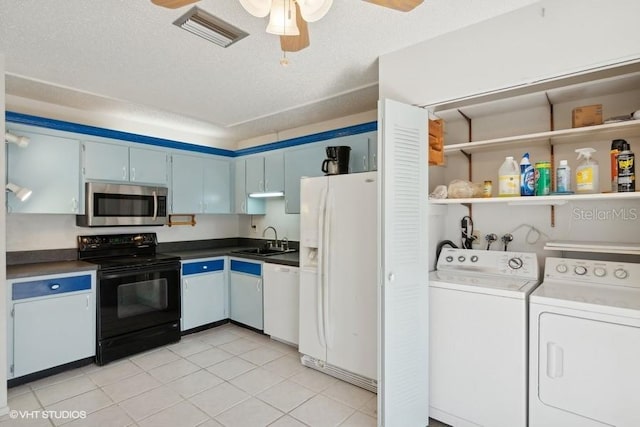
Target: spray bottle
<point>587,172</point>
<point>626,169</point>
<point>527,176</point>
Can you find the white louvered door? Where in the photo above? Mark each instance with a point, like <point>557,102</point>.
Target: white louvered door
<point>403,388</point>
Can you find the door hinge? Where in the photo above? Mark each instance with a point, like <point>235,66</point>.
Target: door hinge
<point>13,312</point>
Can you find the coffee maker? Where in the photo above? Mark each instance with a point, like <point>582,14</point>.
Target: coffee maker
<point>337,161</point>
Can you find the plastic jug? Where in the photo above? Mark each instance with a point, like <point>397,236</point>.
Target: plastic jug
<point>587,172</point>
<point>509,178</point>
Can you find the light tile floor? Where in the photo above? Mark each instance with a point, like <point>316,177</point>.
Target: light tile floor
<point>226,376</point>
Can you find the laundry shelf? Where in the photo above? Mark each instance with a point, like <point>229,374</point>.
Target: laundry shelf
<point>554,200</point>
<point>589,246</point>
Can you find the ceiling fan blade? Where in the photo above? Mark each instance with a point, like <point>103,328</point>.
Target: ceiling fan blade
<point>173,4</point>
<point>402,5</point>
<point>296,43</point>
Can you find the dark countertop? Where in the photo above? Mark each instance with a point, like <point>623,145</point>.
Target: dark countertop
<point>47,268</point>
<point>291,258</point>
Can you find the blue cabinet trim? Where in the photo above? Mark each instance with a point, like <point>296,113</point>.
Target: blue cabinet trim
<point>114,134</point>
<point>202,267</point>
<point>43,122</point>
<point>39,288</point>
<point>246,267</point>
<point>308,139</point>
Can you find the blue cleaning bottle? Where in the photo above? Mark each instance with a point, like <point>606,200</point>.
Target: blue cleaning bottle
<point>527,177</point>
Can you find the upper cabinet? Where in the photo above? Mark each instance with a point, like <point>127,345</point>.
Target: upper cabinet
<point>200,185</point>
<point>117,162</point>
<point>243,204</point>
<point>50,167</point>
<point>307,161</point>
<point>265,174</point>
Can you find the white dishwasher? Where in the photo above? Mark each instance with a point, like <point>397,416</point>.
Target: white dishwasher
<point>281,293</point>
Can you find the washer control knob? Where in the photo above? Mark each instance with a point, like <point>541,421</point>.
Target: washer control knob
<point>562,268</point>
<point>515,263</point>
<point>449,258</point>
<point>621,273</point>
<point>599,272</point>
<point>474,258</point>
<point>461,258</point>
<point>580,270</point>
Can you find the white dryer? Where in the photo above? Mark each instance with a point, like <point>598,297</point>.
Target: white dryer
<point>478,303</point>
<point>585,345</point>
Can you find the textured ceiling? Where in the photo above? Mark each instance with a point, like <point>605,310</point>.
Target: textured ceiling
<point>124,58</point>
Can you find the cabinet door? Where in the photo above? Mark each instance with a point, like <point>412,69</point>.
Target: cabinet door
<point>52,331</point>
<point>109,162</point>
<point>203,300</point>
<point>245,288</point>
<point>50,167</point>
<point>147,166</point>
<point>281,294</point>
<point>274,172</point>
<point>243,203</point>
<point>255,174</point>
<point>216,194</point>
<point>186,189</point>
<point>306,161</point>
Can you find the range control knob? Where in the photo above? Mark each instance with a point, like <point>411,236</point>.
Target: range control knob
<point>599,272</point>
<point>449,258</point>
<point>515,263</point>
<point>562,268</point>
<point>580,270</point>
<point>474,258</point>
<point>621,273</point>
<point>461,258</point>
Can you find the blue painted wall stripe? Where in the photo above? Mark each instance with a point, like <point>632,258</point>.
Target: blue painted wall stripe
<point>27,119</point>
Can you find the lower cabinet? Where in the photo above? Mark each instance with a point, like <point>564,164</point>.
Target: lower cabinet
<point>51,321</point>
<point>204,292</point>
<point>281,293</point>
<point>245,285</point>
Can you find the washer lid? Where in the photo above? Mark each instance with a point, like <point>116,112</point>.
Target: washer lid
<point>487,284</point>
<point>608,299</point>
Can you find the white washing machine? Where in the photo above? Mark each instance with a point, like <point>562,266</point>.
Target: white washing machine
<point>478,313</point>
<point>585,345</point>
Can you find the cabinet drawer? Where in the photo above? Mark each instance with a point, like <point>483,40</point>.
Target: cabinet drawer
<point>54,286</point>
<point>246,267</point>
<point>202,267</point>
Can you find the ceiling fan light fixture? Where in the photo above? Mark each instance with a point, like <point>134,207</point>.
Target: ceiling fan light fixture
<point>210,27</point>
<point>313,10</point>
<point>282,18</point>
<point>257,8</point>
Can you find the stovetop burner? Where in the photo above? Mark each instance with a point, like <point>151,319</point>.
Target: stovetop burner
<point>122,250</point>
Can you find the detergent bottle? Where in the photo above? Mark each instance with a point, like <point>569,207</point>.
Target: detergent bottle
<point>527,176</point>
<point>587,172</point>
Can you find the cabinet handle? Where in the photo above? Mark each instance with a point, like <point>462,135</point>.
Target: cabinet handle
<point>74,205</point>
<point>243,208</point>
<point>133,174</point>
<point>375,161</point>
<point>124,172</point>
<point>283,270</point>
<point>54,286</point>
<point>258,285</point>
<point>364,163</point>
<point>87,307</point>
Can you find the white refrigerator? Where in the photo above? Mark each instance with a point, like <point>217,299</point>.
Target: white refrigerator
<point>338,276</point>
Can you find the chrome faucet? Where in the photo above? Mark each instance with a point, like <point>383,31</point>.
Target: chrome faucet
<point>274,232</point>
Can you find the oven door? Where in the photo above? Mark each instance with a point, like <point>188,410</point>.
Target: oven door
<point>133,299</point>
<point>123,205</point>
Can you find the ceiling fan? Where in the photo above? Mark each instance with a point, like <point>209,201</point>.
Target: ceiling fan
<point>289,18</point>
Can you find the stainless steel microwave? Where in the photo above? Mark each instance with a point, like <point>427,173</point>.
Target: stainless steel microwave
<point>113,205</point>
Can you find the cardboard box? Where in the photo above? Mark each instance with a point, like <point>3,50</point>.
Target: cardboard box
<point>587,115</point>
<point>436,157</point>
<point>436,128</point>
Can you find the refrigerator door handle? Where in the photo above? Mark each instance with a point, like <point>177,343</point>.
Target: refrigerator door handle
<point>326,240</point>
<point>320,270</point>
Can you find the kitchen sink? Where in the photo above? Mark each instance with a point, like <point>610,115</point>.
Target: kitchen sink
<point>263,251</point>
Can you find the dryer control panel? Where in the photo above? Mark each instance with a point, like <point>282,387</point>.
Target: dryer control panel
<point>590,271</point>
<point>523,265</point>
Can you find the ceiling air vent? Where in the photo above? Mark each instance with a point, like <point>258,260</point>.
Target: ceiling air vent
<point>209,27</point>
